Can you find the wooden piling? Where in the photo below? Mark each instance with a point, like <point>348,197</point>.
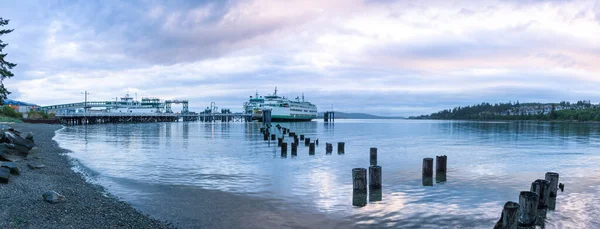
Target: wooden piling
<point>328,148</point>
<point>317,141</point>
<point>266,136</point>
<point>279,141</point>
<point>340,148</point>
<point>359,198</point>
<point>359,179</point>
<point>294,149</point>
<point>284,149</point>
<point>306,141</point>
<point>273,137</point>
<point>375,194</point>
<point>510,215</point>
<point>528,202</point>
<point>375,176</point>
<point>311,148</point>
<point>553,178</point>
<point>373,156</point>
<point>440,163</point>
<point>541,187</point>
<point>296,140</point>
<point>428,166</point>
<point>302,137</point>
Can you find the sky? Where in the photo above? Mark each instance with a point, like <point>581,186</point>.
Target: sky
<point>385,57</point>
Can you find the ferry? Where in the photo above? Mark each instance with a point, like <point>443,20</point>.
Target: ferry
<point>128,105</point>
<point>282,108</point>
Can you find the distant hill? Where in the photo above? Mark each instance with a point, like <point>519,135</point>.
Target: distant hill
<point>342,115</point>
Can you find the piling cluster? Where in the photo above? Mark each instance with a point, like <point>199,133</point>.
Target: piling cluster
<point>533,204</point>
<point>295,141</point>
<point>440,170</point>
<point>359,182</point>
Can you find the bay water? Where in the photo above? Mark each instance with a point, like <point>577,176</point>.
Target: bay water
<point>224,175</point>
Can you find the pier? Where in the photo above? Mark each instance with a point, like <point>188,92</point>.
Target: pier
<point>99,118</point>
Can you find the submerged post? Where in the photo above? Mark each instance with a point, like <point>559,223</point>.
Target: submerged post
<point>341,148</point>
<point>553,178</point>
<point>306,141</point>
<point>294,149</point>
<point>373,154</point>
<point>541,187</point>
<point>375,176</point>
<point>359,179</point>
<point>302,137</point>
<point>284,149</point>
<point>317,141</point>
<point>328,148</point>
<point>272,137</point>
<point>528,202</point>
<point>279,141</point>
<point>440,163</point>
<point>311,148</point>
<point>428,166</point>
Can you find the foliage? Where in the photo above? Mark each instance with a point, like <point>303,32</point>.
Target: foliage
<point>36,115</point>
<point>5,66</point>
<point>580,111</point>
<point>10,112</point>
<point>8,119</point>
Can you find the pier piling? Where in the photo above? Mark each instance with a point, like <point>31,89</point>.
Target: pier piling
<point>311,148</point>
<point>340,148</point>
<point>302,137</point>
<point>428,166</point>
<point>440,163</point>
<point>528,202</point>
<point>273,137</point>
<point>294,149</point>
<point>279,141</point>
<point>284,149</point>
<point>328,148</point>
<point>306,141</point>
<point>542,189</point>
<point>375,176</point>
<point>373,156</point>
<point>510,215</point>
<point>553,178</point>
<point>359,179</point>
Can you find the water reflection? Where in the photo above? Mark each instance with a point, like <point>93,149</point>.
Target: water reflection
<point>440,177</point>
<point>375,194</point>
<point>359,198</point>
<point>427,180</point>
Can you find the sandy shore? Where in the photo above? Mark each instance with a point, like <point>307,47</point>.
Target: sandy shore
<point>86,206</point>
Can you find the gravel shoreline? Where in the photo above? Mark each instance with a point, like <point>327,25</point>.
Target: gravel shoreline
<point>86,206</point>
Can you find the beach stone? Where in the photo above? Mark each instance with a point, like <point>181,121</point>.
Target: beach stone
<point>12,167</point>
<point>4,175</point>
<point>51,196</point>
<point>29,136</point>
<point>9,152</point>
<point>35,165</point>
<point>17,140</point>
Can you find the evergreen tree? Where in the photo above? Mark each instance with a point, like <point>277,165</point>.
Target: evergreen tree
<point>5,66</point>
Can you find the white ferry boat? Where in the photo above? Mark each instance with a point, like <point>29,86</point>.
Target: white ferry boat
<point>282,109</point>
<point>128,105</point>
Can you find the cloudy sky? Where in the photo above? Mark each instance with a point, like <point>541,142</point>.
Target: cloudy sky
<point>380,56</point>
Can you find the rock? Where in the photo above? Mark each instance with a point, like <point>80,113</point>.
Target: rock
<point>17,140</point>
<point>4,175</point>
<point>29,137</point>
<point>51,196</point>
<point>9,152</point>
<point>12,167</point>
<point>562,187</point>
<point>35,165</point>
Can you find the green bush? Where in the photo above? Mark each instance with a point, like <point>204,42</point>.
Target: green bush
<point>7,111</point>
<point>37,115</point>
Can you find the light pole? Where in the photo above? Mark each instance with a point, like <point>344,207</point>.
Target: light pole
<point>85,101</point>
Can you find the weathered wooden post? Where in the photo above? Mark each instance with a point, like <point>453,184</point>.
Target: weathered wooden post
<point>302,137</point>
<point>306,141</point>
<point>440,177</point>
<point>373,154</point>
<point>553,178</point>
<point>294,149</point>
<point>427,180</point>
<point>528,202</point>
<point>375,176</point>
<point>541,187</point>
<point>341,147</point>
<point>510,215</point>
<point>279,141</point>
<point>296,140</point>
<point>262,130</point>
<point>273,137</point>
<point>359,179</point>
<point>266,136</point>
<point>311,148</point>
<point>440,163</point>
<point>428,166</point>
<point>328,148</point>
<point>284,149</point>
<point>317,141</point>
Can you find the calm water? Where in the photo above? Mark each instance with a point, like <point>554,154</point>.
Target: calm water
<point>224,175</point>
